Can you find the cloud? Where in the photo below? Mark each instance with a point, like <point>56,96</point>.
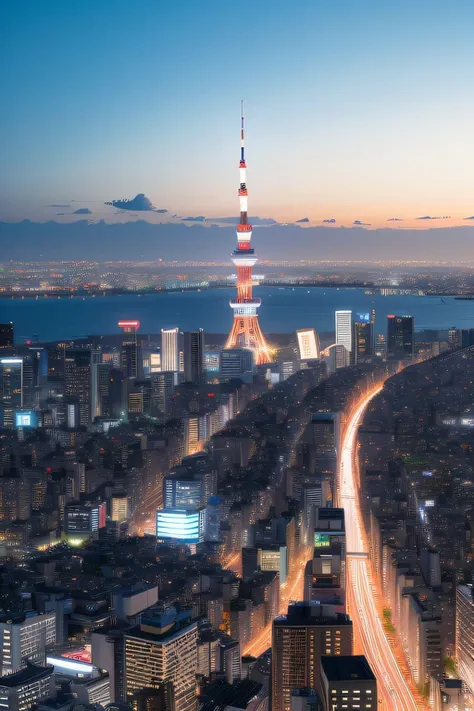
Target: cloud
<point>330,220</point>
<point>58,206</point>
<point>469,218</point>
<point>428,217</point>
<point>162,212</point>
<point>395,219</point>
<point>199,218</point>
<point>140,203</point>
<point>303,219</point>
<point>82,211</point>
<point>255,220</point>
<point>359,223</point>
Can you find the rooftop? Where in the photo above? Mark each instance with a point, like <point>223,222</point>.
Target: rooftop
<point>30,673</point>
<point>345,668</point>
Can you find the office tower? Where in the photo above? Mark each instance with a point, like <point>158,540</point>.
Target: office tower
<point>325,574</point>
<point>339,357</point>
<point>194,356</point>
<point>82,521</point>
<point>308,344</point>
<point>114,394</point>
<point>183,492</point>
<point>430,567</point>
<point>159,699</point>
<point>400,337</point>
<point>26,688</point>
<point>348,683</point>
<point>299,639</point>
<point>81,386</point>
<point>362,337</point>
<point>169,350</point>
<point>464,649</point>
<point>179,525</point>
<point>120,506</point>
<point>162,389</point>
<point>325,439</point>
<point>372,330</point>
<point>235,362</point>
<point>380,345</point>
<point>6,336</point>
<point>246,331</point>
<point>343,320</point>
<point>25,638</point>
<point>131,358</point>
<point>163,648</point>
<point>11,390</point>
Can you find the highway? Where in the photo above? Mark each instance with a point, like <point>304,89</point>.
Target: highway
<point>395,689</point>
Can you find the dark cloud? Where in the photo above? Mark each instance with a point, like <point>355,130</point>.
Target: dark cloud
<point>162,212</point>
<point>140,203</point>
<point>469,218</point>
<point>330,220</point>
<point>58,206</point>
<point>82,211</point>
<point>359,223</point>
<point>428,217</point>
<point>303,219</point>
<point>395,219</point>
<point>199,218</point>
<point>255,220</point>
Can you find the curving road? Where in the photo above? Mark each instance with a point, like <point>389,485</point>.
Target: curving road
<point>394,689</point>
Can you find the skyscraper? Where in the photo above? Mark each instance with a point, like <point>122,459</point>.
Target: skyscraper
<point>362,337</point>
<point>131,359</point>
<point>246,331</point>
<point>11,389</point>
<point>465,633</point>
<point>308,344</point>
<point>299,639</point>
<point>169,350</point>
<point>163,648</point>
<point>6,336</point>
<point>81,386</point>
<point>194,356</point>
<point>343,322</point>
<point>400,336</point>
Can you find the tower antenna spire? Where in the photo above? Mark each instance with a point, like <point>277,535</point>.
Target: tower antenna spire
<point>246,332</point>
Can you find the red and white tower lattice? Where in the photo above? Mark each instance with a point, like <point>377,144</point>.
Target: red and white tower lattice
<point>246,331</point>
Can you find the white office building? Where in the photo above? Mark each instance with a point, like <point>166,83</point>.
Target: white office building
<point>170,350</point>
<point>344,329</point>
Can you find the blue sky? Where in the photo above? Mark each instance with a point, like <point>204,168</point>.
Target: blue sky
<point>355,109</point>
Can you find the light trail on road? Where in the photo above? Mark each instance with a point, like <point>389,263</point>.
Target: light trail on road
<point>393,688</point>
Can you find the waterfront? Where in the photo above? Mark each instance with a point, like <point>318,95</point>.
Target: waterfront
<point>282,311</point>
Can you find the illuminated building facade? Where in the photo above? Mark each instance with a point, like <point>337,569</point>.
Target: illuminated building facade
<point>179,525</point>
<point>194,356</point>
<point>465,633</point>
<point>348,683</point>
<point>11,389</point>
<point>23,638</point>
<point>26,688</point>
<point>169,349</point>
<point>83,521</point>
<point>131,353</point>
<point>163,648</point>
<point>344,329</point>
<point>308,344</point>
<point>400,336</point>
<point>299,639</point>
<point>246,331</point>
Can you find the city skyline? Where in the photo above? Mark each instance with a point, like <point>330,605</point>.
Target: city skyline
<point>364,142</point>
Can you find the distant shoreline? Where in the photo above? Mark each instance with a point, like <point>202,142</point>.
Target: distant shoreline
<point>83,293</point>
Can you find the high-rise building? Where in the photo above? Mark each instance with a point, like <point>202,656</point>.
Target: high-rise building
<point>11,389</point>
<point>27,687</point>
<point>183,492</point>
<point>308,344</point>
<point>465,633</point>
<point>362,337</point>
<point>119,510</point>
<point>81,383</point>
<point>81,521</point>
<point>194,356</point>
<point>163,648</point>
<point>25,638</point>
<point>162,389</point>
<point>246,331</point>
<point>131,358</point>
<point>179,525</point>
<point>299,639</point>
<point>325,574</point>
<point>169,349</point>
<point>6,336</point>
<point>343,323</point>
<point>400,336</point>
<point>348,683</point>
<point>235,362</point>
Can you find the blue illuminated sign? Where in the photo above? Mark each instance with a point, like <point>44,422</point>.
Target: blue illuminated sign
<point>25,418</point>
<point>178,525</point>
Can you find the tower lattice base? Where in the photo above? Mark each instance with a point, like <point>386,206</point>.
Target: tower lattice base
<point>246,333</point>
